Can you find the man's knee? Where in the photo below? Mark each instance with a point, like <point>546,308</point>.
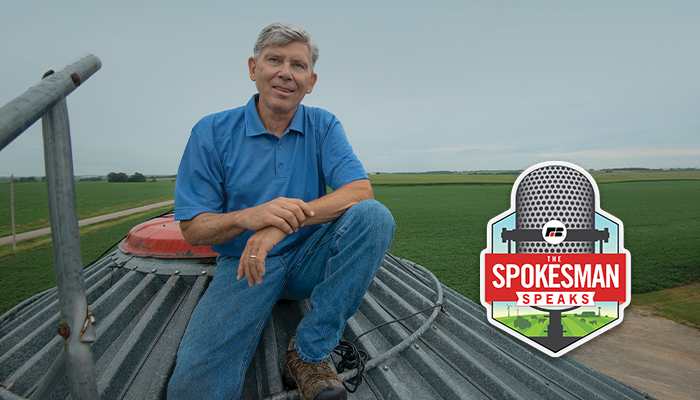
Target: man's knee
<point>377,217</point>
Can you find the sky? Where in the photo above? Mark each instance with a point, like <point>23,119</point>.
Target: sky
<point>418,86</point>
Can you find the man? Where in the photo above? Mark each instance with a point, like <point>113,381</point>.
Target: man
<point>252,184</point>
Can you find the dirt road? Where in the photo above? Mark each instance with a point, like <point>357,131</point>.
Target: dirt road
<point>87,221</point>
<point>650,353</point>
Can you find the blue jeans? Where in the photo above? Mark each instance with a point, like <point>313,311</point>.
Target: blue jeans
<point>333,267</point>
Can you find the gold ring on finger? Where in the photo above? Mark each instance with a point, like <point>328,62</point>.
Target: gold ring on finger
<point>253,256</point>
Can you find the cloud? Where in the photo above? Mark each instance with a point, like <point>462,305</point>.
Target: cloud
<point>624,153</point>
<point>451,150</point>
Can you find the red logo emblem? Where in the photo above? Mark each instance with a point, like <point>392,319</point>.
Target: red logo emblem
<point>555,273</point>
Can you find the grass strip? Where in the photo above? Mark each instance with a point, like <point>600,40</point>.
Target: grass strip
<point>680,304</point>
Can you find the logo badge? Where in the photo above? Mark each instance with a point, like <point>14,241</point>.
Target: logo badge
<point>554,232</point>
<point>555,273</point>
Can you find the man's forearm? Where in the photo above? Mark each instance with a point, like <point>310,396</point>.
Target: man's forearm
<point>331,206</point>
<point>214,229</point>
<point>211,229</point>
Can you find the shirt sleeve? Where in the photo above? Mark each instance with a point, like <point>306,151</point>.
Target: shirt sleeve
<point>199,183</point>
<point>340,164</point>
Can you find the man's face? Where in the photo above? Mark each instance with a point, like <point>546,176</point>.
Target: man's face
<point>283,77</point>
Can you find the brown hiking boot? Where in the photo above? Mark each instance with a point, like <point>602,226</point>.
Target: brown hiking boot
<point>315,381</point>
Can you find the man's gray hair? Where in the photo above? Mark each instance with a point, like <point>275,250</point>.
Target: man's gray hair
<point>279,34</point>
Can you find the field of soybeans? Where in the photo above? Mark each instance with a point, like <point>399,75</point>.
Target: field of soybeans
<point>441,223</point>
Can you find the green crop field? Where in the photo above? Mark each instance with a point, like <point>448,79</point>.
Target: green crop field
<point>661,222</point>
<point>443,179</point>
<point>27,274</point>
<point>442,227</point>
<point>645,175</point>
<point>92,198</point>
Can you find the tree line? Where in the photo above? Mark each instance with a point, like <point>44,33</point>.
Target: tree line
<point>123,177</point>
<point>111,177</point>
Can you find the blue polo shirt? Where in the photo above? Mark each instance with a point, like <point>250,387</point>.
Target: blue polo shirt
<point>231,163</point>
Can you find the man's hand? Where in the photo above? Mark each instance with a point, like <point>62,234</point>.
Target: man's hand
<point>284,213</point>
<point>252,263</point>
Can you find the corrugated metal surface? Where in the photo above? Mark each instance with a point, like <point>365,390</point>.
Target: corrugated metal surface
<point>142,306</point>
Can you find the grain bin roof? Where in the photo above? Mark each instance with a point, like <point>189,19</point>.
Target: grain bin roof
<point>142,306</point>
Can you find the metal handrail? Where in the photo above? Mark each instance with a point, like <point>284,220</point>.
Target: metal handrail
<point>46,100</point>
<point>20,113</point>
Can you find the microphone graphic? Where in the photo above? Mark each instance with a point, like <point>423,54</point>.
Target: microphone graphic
<point>555,213</point>
<point>559,252</point>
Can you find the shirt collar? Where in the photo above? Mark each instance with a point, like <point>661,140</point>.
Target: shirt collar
<point>255,127</point>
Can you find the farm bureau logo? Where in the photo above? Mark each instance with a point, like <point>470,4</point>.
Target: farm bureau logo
<point>555,273</point>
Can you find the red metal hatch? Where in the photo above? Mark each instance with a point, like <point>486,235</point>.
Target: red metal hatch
<point>161,238</point>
